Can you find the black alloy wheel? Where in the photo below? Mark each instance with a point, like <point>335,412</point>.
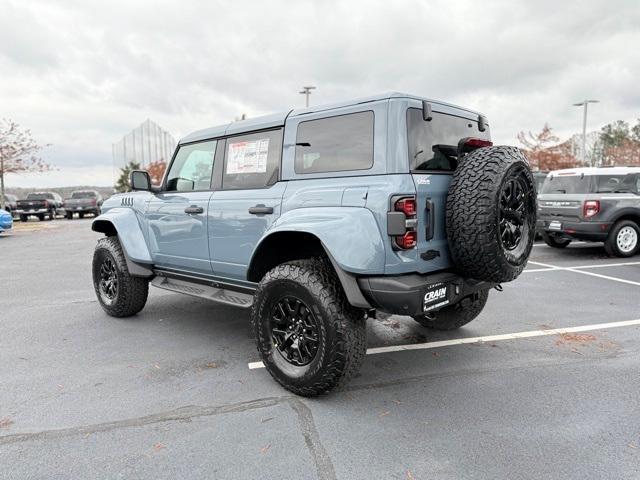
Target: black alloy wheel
<point>515,214</point>
<point>294,331</point>
<point>108,284</point>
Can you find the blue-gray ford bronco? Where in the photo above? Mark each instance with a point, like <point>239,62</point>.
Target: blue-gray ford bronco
<point>316,218</point>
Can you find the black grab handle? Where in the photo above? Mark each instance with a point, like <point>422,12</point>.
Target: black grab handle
<point>193,209</point>
<point>431,220</point>
<point>260,210</point>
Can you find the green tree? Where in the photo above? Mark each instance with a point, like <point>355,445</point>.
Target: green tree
<point>614,134</point>
<point>122,185</point>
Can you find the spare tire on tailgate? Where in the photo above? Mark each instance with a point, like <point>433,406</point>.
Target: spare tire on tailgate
<point>491,214</point>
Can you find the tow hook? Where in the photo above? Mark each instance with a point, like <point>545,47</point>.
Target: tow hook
<point>499,288</point>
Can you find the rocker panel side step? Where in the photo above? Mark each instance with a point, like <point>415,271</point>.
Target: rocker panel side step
<point>220,295</point>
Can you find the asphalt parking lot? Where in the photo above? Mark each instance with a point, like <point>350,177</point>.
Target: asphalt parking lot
<point>170,393</point>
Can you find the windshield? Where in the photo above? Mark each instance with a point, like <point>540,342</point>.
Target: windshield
<point>38,196</point>
<point>83,195</point>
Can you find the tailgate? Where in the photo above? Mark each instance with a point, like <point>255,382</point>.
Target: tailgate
<point>563,207</point>
<point>431,191</point>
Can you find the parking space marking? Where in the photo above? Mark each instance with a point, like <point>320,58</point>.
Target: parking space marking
<point>583,272</point>
<point>489,338</point>
<point>551,268</point>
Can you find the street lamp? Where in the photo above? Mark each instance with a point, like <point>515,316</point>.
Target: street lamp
<point>306,91</point>
<point>584,103</point>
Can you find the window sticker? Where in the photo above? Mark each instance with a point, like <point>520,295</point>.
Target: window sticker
<point>248,157</point>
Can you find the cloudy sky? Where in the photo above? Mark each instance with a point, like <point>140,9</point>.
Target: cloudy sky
<point>80,74</point>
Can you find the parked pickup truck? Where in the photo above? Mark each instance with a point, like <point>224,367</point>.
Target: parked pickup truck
<point>40,204</point>
<point>316,218</point>
<point>592,204</point>
<point>82,202</point>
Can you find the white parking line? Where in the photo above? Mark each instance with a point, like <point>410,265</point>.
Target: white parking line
<point>489,338</point>
<point>581,270</point>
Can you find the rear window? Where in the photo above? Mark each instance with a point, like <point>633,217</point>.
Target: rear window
<point>83,195</point>
<point>591,184</point>
<point>335,144</point>
<point>433,145</point>
<point>39,196</point>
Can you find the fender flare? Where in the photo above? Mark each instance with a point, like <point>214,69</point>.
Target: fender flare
<point>348,235</point>
<point>123,223</point>
<point>626,212</point>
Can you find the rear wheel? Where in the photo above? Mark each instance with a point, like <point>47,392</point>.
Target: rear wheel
<point>69,216</point>
<point>455,316</point>
<point>623,239</point>
<point>41,217</point>
<point>24,218</point>
<point>491,214</point>
<point>555,242</point>
<point>81,215</point>
<point>310,338</point>
<point>119,293</point>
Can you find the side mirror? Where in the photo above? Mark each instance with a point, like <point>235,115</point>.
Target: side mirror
<point>140,180</point>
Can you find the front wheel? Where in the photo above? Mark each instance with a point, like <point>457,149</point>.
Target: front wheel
<point>555,242</point>
<point>455,316</point>
<point>310,338</point>
<point>623,239</point>
<point>119,293</point>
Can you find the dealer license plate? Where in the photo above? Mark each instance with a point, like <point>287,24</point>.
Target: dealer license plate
<point>436,297</point>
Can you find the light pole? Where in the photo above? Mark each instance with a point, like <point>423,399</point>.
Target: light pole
<point>584,103</point>
<point>306,91</point>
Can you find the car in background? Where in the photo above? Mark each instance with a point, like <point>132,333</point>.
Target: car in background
<point>40,204</point>
<point>592,204</point>
<point>83,202</point>
<point>6,220</point>
<point>10,203</point>
<point>539,177</point>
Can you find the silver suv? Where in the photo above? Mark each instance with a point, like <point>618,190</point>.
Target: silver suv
<point>592,204</point>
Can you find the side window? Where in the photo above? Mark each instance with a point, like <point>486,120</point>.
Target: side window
<point>252,160</point>
<point>192,167</point>
<point>335,144</point>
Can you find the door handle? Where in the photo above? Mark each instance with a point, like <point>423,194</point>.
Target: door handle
<point>193,209</point>
<point>260,209</point>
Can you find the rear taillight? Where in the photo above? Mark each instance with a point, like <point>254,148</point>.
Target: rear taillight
<point>406,205</point>
<point>403,215</point>
<point>408,240</point>
<point>590,208</point>
<point>46,204</point>
<point>94,201</point>
<point>469,144</point>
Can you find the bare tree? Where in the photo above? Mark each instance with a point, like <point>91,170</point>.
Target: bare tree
<point>544,152</point>
<point>18,153</point>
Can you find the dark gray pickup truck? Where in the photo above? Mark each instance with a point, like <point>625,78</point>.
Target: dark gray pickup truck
<point>592,204</point>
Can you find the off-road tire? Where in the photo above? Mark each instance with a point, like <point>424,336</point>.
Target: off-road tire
<point>455,316</point>
<point>555,242</point>
<point>473,214</point>
<point>24,218</point>
<point>342,328</point>
<point>611,243</point>
<point>132,291</point>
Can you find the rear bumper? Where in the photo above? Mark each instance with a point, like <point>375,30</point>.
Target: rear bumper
<point>590,231</point>
<point>405,294</point>
<point>22,211</point>
<point>81,209</point>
